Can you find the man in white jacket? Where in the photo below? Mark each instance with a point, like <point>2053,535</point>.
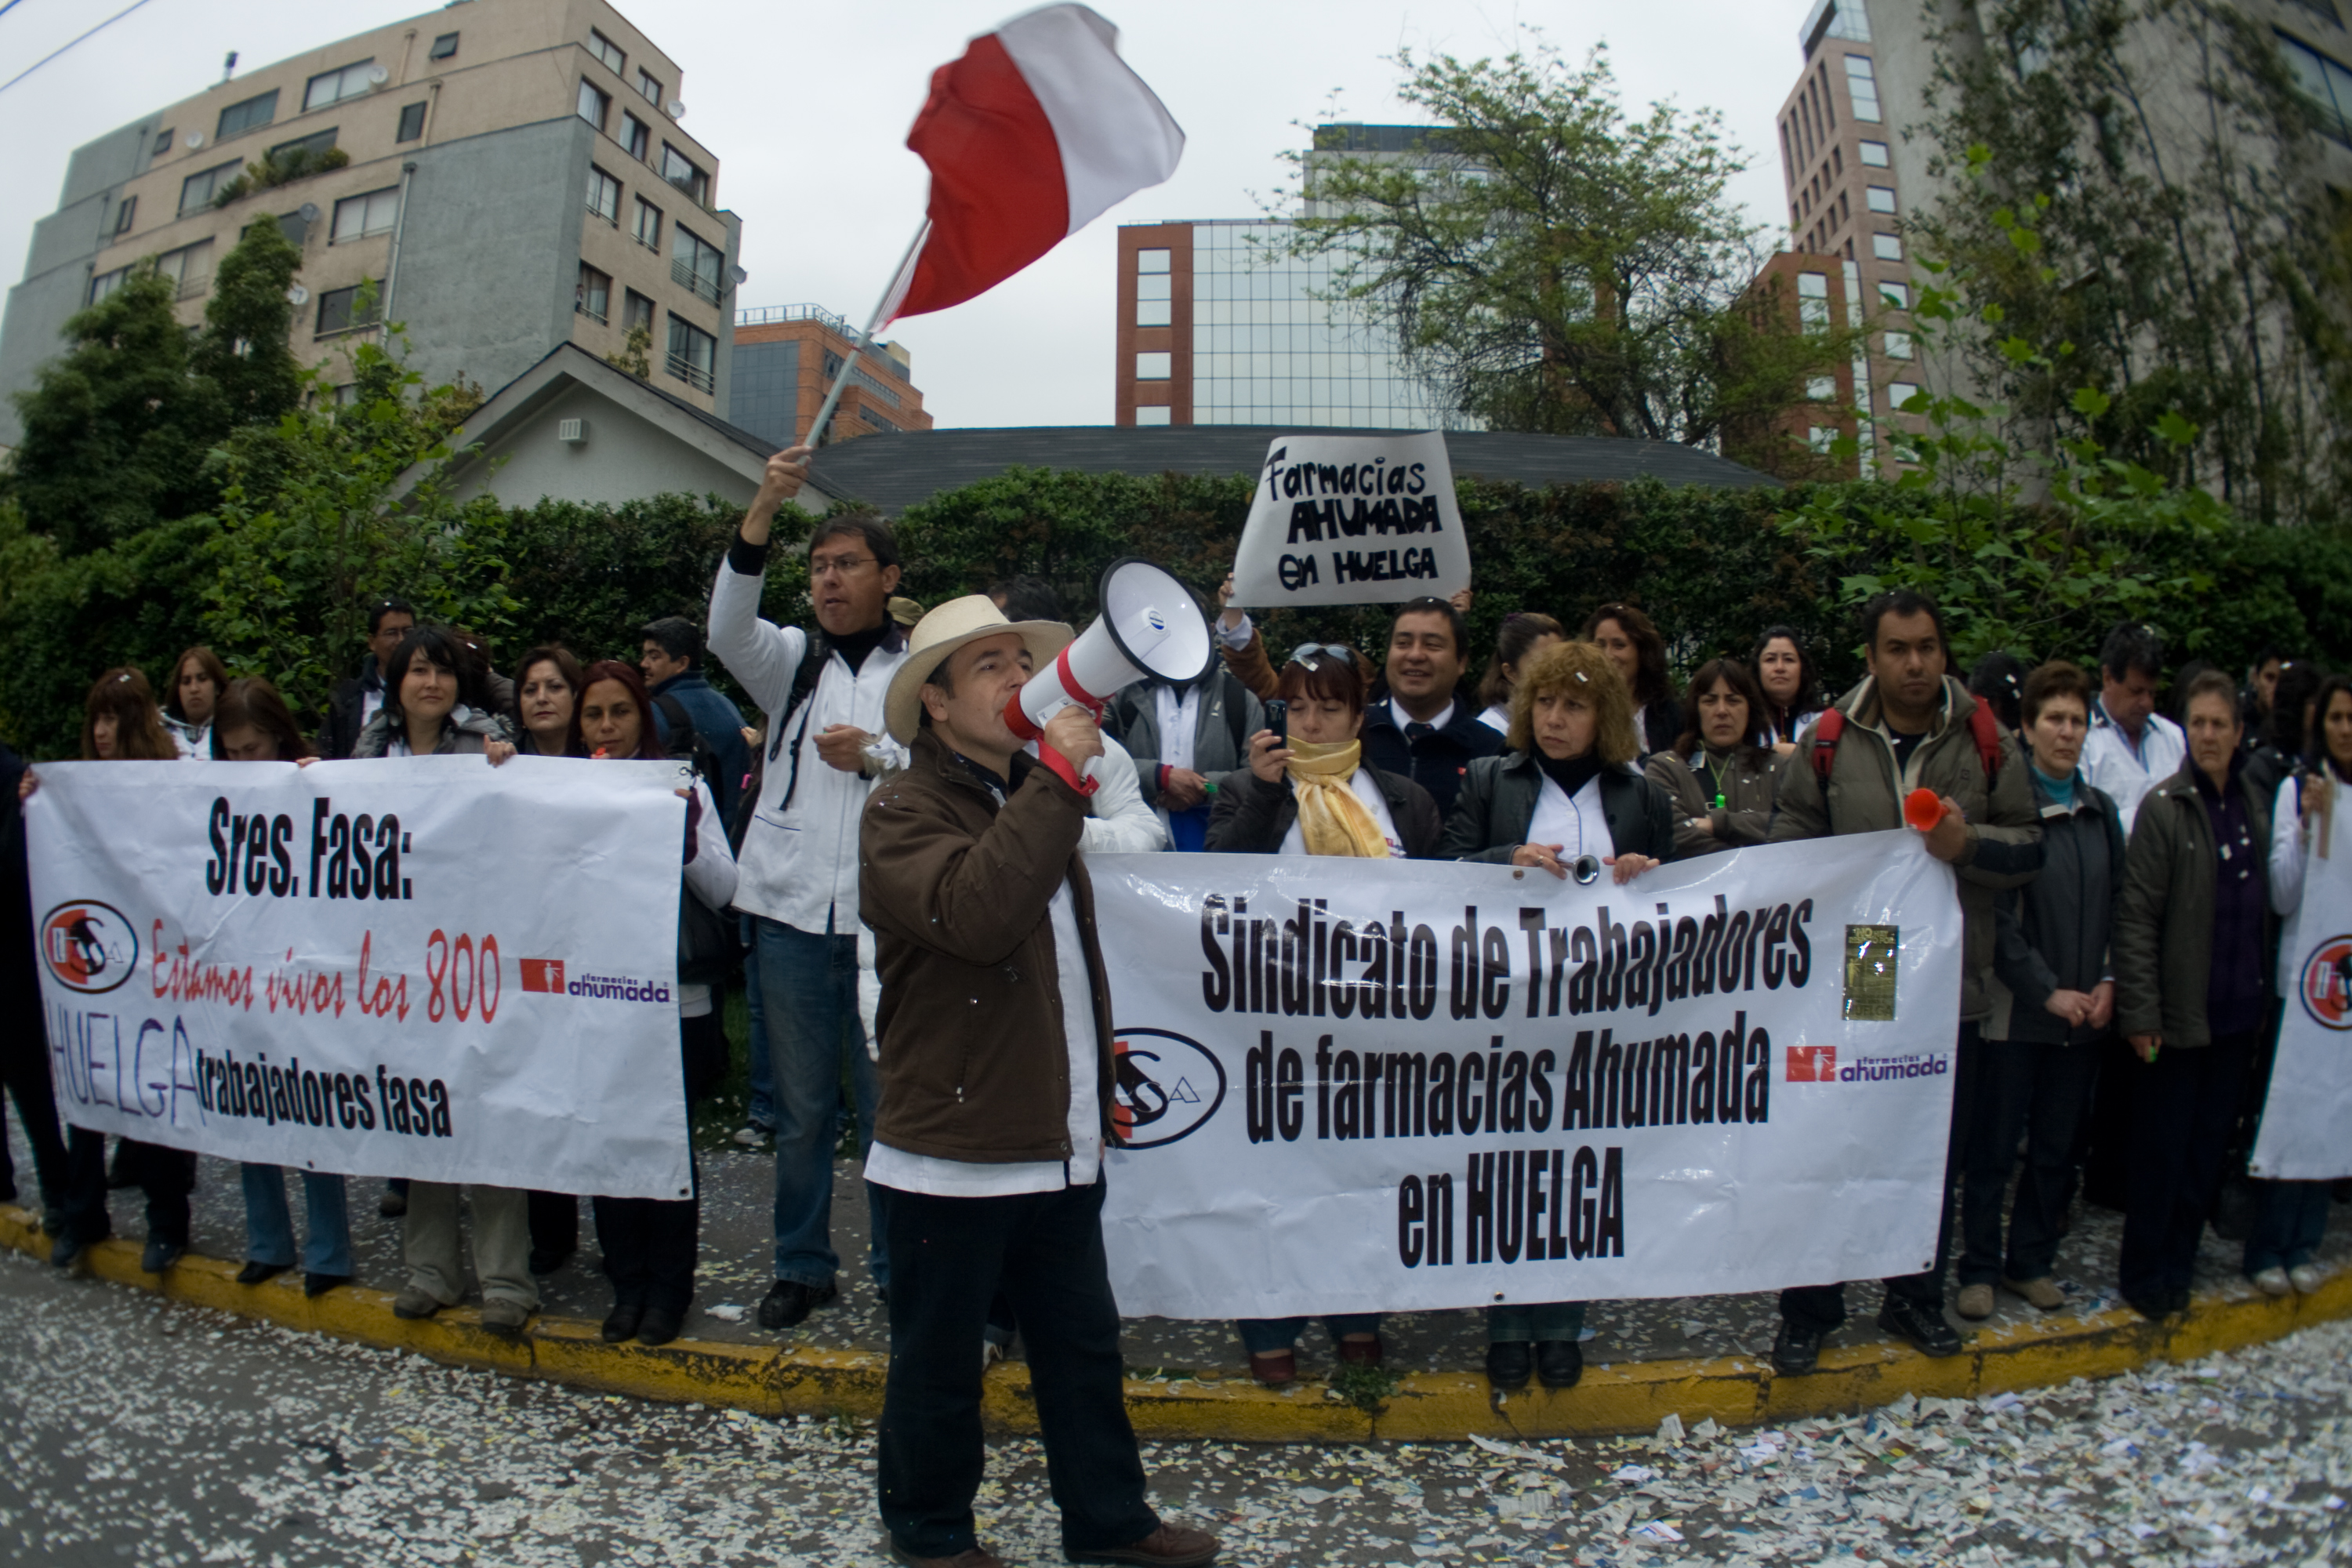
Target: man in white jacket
<point>2131,748</point>
<point>826,747</point>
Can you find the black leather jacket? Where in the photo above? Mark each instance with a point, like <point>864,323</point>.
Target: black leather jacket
<point>1252,816</point>
<point>1498,803</point>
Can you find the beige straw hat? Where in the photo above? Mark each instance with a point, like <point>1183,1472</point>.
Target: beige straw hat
<point>946,629</point>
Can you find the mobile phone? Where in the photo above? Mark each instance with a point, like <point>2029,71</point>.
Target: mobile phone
<point>1278,719</point>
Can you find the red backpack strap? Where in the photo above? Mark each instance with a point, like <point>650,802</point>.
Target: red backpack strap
<point>1987,730</point>
<point>1826,731</point>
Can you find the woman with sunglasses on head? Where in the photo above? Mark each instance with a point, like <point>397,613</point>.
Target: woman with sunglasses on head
<point>649,1243</point>
<point>1565,799</point>
<point>1311,792</point>
<point>251,725</point>
<point>1722,773</point>
<point>1521,635</point>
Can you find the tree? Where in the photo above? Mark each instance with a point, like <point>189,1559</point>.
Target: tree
<point>243,349</point>
<point>1557,266</point>
<point>2190,257</point>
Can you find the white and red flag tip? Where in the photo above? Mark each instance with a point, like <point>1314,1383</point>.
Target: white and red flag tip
<point>1038,130</point>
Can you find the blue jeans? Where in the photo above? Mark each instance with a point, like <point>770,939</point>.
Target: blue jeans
<point>2289,1219</point>
<point>1265,1336</point>
<point>761,1111</point>
<point>810,985</point>
<point>269,1226</point>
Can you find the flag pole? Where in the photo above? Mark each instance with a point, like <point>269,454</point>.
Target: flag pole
<point>891,295</point>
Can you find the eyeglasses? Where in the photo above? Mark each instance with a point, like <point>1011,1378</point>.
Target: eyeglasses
<point>1307,653</point>
<point>846,566</point>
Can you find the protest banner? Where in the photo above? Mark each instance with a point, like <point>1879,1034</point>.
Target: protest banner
<point>1359,1086</point>
<point>2306,1128</point>
<point>1351,520</point>
<point>356,966</point>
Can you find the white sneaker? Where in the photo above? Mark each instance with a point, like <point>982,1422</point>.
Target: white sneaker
<point>990,1353</point>
<point>2272,1281</point>
<point>754,1135</point>
<point>2305,1277</point>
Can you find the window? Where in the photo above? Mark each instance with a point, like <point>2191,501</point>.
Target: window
<point>1837,160</point>
<point>695,263</point>
<point>1873,154</point>
<point>2324,82</point>
<point>679,171</point>
<point>1896,294</point>
<point>339,311</point>
<point>604,195</point>
<point>1153,286</point>
<point>189,269</point>
<point>124,215</point>
<point>1887,247</point>
<point>1151,261</point>
<point>1154,313</point>
<point>1157,416</point>
<point>595,103</point>
<point>648,229</point>
<point>1813,299</point>
<point>636,310</point>
<point>356,218</point>
<point>693,354</point>
<point>1820,388</point>
<point>1862,87</point>
<point>443,47</point>
<point>649,89</point>
<point>1881,198</point>
<point>1820,437</point>
<point>2324,9</point>
<point>162,143</point>
<point>412,122</point>
<point>1900,393</point>
<point>252,113</point>
<point>106,283</point>
<point>593,298</point>
<point>636,137</point>
<point>605,50</point>
<point>316,144</point>
<point>333,87</point>
<point>834,365</point>
<point>874,417</point>
<point>1898,345</point>
<point>1154,366</point>
<point>196,191</point>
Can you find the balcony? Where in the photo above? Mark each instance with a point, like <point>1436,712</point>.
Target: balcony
<point>695,375</point>
<point>684,275</point>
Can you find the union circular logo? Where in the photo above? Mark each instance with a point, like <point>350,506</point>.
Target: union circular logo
<point>89,946</point>
<point>1169,1086</point>
<point>2326,984</point>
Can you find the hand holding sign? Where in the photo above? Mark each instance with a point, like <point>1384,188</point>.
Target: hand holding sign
<point>1352,520</point>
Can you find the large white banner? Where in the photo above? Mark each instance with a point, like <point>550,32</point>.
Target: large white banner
<point>2307,1129</point>
<point>430,967</point>
<point>1351,520</point>
<point>1362,1086</point>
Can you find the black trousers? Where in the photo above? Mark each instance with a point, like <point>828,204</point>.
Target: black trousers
<point>2184,1111</point>
<point>555,1223</point>
<point>2042,1091</point>
<point>25,1072</point>
<point>1821,1307</point>
<point>649,1246</point>
<point>948,1258</point>
<point>167,1175</point>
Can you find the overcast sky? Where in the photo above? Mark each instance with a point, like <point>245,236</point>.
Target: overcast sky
<point>807,108</point>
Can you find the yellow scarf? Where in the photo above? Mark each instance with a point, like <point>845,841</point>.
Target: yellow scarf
<point>1331,818</point>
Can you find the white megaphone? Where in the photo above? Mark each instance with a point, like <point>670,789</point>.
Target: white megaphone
<point>1150,625</point>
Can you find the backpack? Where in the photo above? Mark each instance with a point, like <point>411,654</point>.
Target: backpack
<point>818,654</point>
<point>1983,728</point>
<point>686,744</point>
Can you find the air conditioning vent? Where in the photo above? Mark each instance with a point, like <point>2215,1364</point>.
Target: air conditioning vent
<point>675,107</point>
<point>572,432</point>
<point>378,76</point>
<point>192,140</point>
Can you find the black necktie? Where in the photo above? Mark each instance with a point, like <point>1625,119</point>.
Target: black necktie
<point>1414,731</point>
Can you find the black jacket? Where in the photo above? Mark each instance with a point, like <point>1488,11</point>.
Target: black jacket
<point>1661,726</point>
<point>1252,816</point>
<point>1437,760</point>
<point>344,718</point>
<point>1498,804</point>
<point>2052,933</point>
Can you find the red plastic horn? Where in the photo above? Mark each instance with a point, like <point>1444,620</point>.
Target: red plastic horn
<point>1923,809</point>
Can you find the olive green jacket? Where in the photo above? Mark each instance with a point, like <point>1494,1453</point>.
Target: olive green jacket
<point>2163,944</point>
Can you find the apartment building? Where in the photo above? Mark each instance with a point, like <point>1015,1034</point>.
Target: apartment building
<point>787,358</point>
<point>509,176</point>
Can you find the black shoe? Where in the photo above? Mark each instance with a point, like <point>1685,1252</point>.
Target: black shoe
<point>545,1263</point>
<point>621,1324</point>
<point>259,1273</point>
<point>789,1302</point>
<point>65,1249</point>
<point>320,1284</point>
<point>1509,1363</point>
<point>53,1219</point>
<point>1559,1363</point>
<point>660,1326</point>
<point>1796,1349</point>
<point>161,1255</point>
<point>2178,1300</point>
<point>2154,1305</point>
<point>1923,1326</point>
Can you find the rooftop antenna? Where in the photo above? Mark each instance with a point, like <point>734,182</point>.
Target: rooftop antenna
<point>228,68</point>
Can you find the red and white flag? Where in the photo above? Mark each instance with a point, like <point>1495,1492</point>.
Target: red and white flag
<point>1036,132</point>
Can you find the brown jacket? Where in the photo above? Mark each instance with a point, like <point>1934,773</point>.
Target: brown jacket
<point>1702,827</point>
<point>975,1065</point>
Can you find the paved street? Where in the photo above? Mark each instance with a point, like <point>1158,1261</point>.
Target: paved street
<point>141,1432</point>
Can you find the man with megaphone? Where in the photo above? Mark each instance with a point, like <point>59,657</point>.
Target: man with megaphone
<point>994,1033</point>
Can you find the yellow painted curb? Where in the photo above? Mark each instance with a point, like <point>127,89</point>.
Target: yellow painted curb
<point>1632,1396</point>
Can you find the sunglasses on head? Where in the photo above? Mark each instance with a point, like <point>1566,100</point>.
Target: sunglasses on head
<point>1310,653</point>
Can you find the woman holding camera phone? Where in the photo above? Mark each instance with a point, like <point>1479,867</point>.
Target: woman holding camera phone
<point>1564,799</point>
